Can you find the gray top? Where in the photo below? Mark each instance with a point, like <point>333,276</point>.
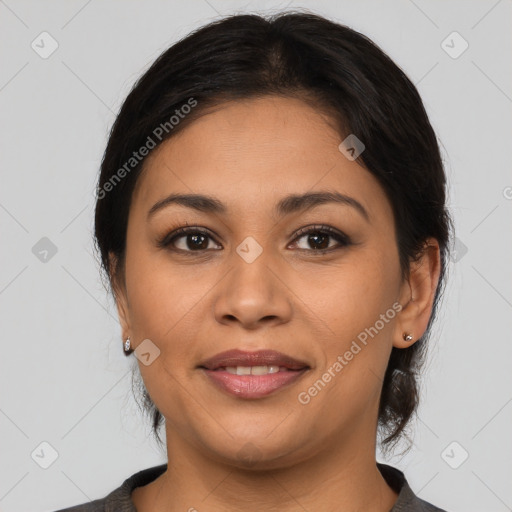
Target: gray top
<point>119,500</point>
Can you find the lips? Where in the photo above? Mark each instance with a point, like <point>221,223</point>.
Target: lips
<point>234,358</point>
<point>252,375</point>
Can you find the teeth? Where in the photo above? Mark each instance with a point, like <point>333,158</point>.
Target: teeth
<point>254,370</point>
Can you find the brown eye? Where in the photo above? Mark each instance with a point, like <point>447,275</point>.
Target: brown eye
<point>318,239</point>
<point>194,242</point>
<point>188,240</point>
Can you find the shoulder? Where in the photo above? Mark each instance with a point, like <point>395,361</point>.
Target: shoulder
<point>119,500</point>
<point>407,501</point>
<point>92,506</point>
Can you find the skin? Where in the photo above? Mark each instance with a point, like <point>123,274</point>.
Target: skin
<point>192,305</point>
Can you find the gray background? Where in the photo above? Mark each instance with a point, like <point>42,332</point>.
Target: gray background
<point>64,379</point>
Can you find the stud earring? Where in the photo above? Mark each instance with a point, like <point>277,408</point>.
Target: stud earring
<point>127,349</point>
<point>406,336</point>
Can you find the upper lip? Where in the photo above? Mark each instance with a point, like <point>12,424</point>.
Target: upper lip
<point>259,358</point>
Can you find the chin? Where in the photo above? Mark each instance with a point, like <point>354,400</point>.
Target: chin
<point>256,452</point>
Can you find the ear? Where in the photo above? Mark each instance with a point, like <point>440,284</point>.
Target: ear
<point>121,299</point>
<point>417,295</point>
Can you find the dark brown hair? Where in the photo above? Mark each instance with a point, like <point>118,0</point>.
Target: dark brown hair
<point>335,69</point>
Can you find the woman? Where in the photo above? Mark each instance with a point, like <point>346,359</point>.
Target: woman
<point>271,218</point>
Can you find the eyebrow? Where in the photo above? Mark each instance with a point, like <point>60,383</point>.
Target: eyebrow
<point>289,204</point>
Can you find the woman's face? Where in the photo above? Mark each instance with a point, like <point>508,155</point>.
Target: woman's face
<point>257,281</point>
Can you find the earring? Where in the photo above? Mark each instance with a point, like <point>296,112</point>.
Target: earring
<point>127,349</point>
<point>406,336</point>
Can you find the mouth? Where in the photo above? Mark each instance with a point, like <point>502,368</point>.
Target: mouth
<point>252,375</point>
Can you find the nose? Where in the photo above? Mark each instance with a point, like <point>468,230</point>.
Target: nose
<point>253,295</point>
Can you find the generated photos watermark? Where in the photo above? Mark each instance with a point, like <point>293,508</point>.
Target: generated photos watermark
<point>305,397</point>
<point>157,135</point>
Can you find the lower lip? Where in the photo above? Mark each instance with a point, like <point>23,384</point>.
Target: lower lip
<point>252,386</point>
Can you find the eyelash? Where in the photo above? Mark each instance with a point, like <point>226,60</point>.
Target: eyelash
<point>340,237</point>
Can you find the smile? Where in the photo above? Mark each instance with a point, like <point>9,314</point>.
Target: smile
<point>252,375</point>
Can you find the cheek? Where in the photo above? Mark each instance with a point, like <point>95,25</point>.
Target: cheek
<point>155,285</point>
<point>164,307</point>
<point>351,295</point>
<point>165,301</point>
<point>356,304</point>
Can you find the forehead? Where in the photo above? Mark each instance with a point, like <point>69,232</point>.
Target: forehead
<point>251,151</point>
